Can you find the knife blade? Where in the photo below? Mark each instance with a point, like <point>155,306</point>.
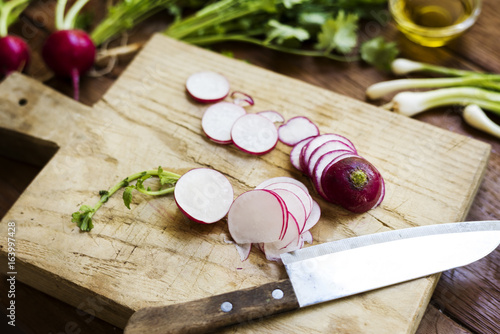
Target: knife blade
<point>330,271</point>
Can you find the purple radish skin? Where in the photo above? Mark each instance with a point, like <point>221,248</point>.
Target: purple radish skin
<point>69,53</point>
<point>353,183</point>
<point>14,55</point>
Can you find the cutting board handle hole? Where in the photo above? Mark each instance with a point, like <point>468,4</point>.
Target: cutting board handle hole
<point>22,102</point>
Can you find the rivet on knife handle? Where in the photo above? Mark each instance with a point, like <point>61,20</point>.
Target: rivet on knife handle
<point>212,313</point>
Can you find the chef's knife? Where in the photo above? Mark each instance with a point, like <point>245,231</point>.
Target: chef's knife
<point>331,271</point>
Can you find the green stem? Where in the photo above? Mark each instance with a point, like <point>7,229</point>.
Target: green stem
<point>70,20</point>
<point>125,15</point>
<point>380,89</point>
<point>203,40</point>
<point>9,14</point>
<point>83,217</point>
<point>214,14</point>
<point>61,6</point>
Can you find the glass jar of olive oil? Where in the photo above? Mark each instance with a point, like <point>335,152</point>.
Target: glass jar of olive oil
<point>433,23</point>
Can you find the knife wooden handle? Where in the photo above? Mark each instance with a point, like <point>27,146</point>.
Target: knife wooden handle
<point>211,313</point>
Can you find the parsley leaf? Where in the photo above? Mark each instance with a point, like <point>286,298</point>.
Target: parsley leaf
<point>127,196</point>
<point>281,32</point>
<point>338,33</point>
<point>379,53</point>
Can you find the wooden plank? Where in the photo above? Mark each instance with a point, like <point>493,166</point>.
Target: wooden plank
<point>147,107</point>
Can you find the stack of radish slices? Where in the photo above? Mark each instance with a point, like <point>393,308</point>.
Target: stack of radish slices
<point>276,216</point>
<point>229,123</point>
<point>339,174</point>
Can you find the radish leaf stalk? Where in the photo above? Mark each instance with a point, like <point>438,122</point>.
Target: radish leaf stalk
<point>83,217</point>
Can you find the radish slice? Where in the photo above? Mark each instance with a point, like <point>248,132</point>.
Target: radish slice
<point>313,217</point>
<point>294,206</point>
<point>382,192</point>
<point>295,153</point>
<point>306,237</point>
<point>218,120</point>
<point>280,179</point>
<point>296,130</point>
<point>256,216</point>
<point>308,150</point>
<point>329,146</point>
<point>272,115</point>
<point>242,99</point>
<point>244,250</point>
<point>302,195</point>
<point>207,86</point>
<point>254,134</point>
<point>290,242</point>
<point>203,195</point>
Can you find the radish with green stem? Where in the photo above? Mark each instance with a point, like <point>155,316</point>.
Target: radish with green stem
<point>14,52</point>
<point>69,52</point>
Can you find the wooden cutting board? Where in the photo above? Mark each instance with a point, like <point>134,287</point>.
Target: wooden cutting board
<point>152,255</point>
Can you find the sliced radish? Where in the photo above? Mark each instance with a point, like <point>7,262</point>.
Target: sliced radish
<point>207,86</point>
<point>306,237</point>
<point>382,193</point>
<point>218,120</point>
<point>290,242</point>
<point>242,99</point>
<point>295,153</point>
<point>244,250</point>
<point>256,216</point>
<point>294,206</point>
<point>254,134</point>
<point>298,191</point>
<point>313,217</point>
<point>296,130</point>
<point>308,150</point>
<point>329,146</point>
<point>272,115</point>
<point>280,179</point>
<point>204,195</point>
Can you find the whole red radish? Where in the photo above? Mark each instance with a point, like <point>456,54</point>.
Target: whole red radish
<point>353,183</point>
<point>69,53</point>
<point>14,54</point>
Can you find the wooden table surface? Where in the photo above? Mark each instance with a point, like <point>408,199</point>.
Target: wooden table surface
<point>466,300</point>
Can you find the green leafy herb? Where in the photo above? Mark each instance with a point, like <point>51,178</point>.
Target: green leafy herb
<point>379,53</point>
<point>318,28</point>
<point>339,34</point>
<point>83,217</point>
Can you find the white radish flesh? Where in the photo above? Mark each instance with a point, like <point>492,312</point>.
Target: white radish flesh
<point>280,179</point>
<point>329,146</point>
<point>303,195</point>
<point>242,99</point>
<point>290,242</point>
<point>295,208</point>
<point>218,120</point>
<point>295,153</point>
<point>207,86</point>
<point>256,216</point>
<point>308,150</point>
<point>204,195</point>
<point>254,134</point>
<point>272,115</point>
<point>313,217</point>
<point>296,130</point>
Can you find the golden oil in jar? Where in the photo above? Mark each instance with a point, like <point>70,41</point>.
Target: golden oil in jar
<point>434,22</point>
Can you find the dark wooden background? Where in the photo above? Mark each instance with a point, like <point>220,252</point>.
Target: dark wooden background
<point>466,300</point>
